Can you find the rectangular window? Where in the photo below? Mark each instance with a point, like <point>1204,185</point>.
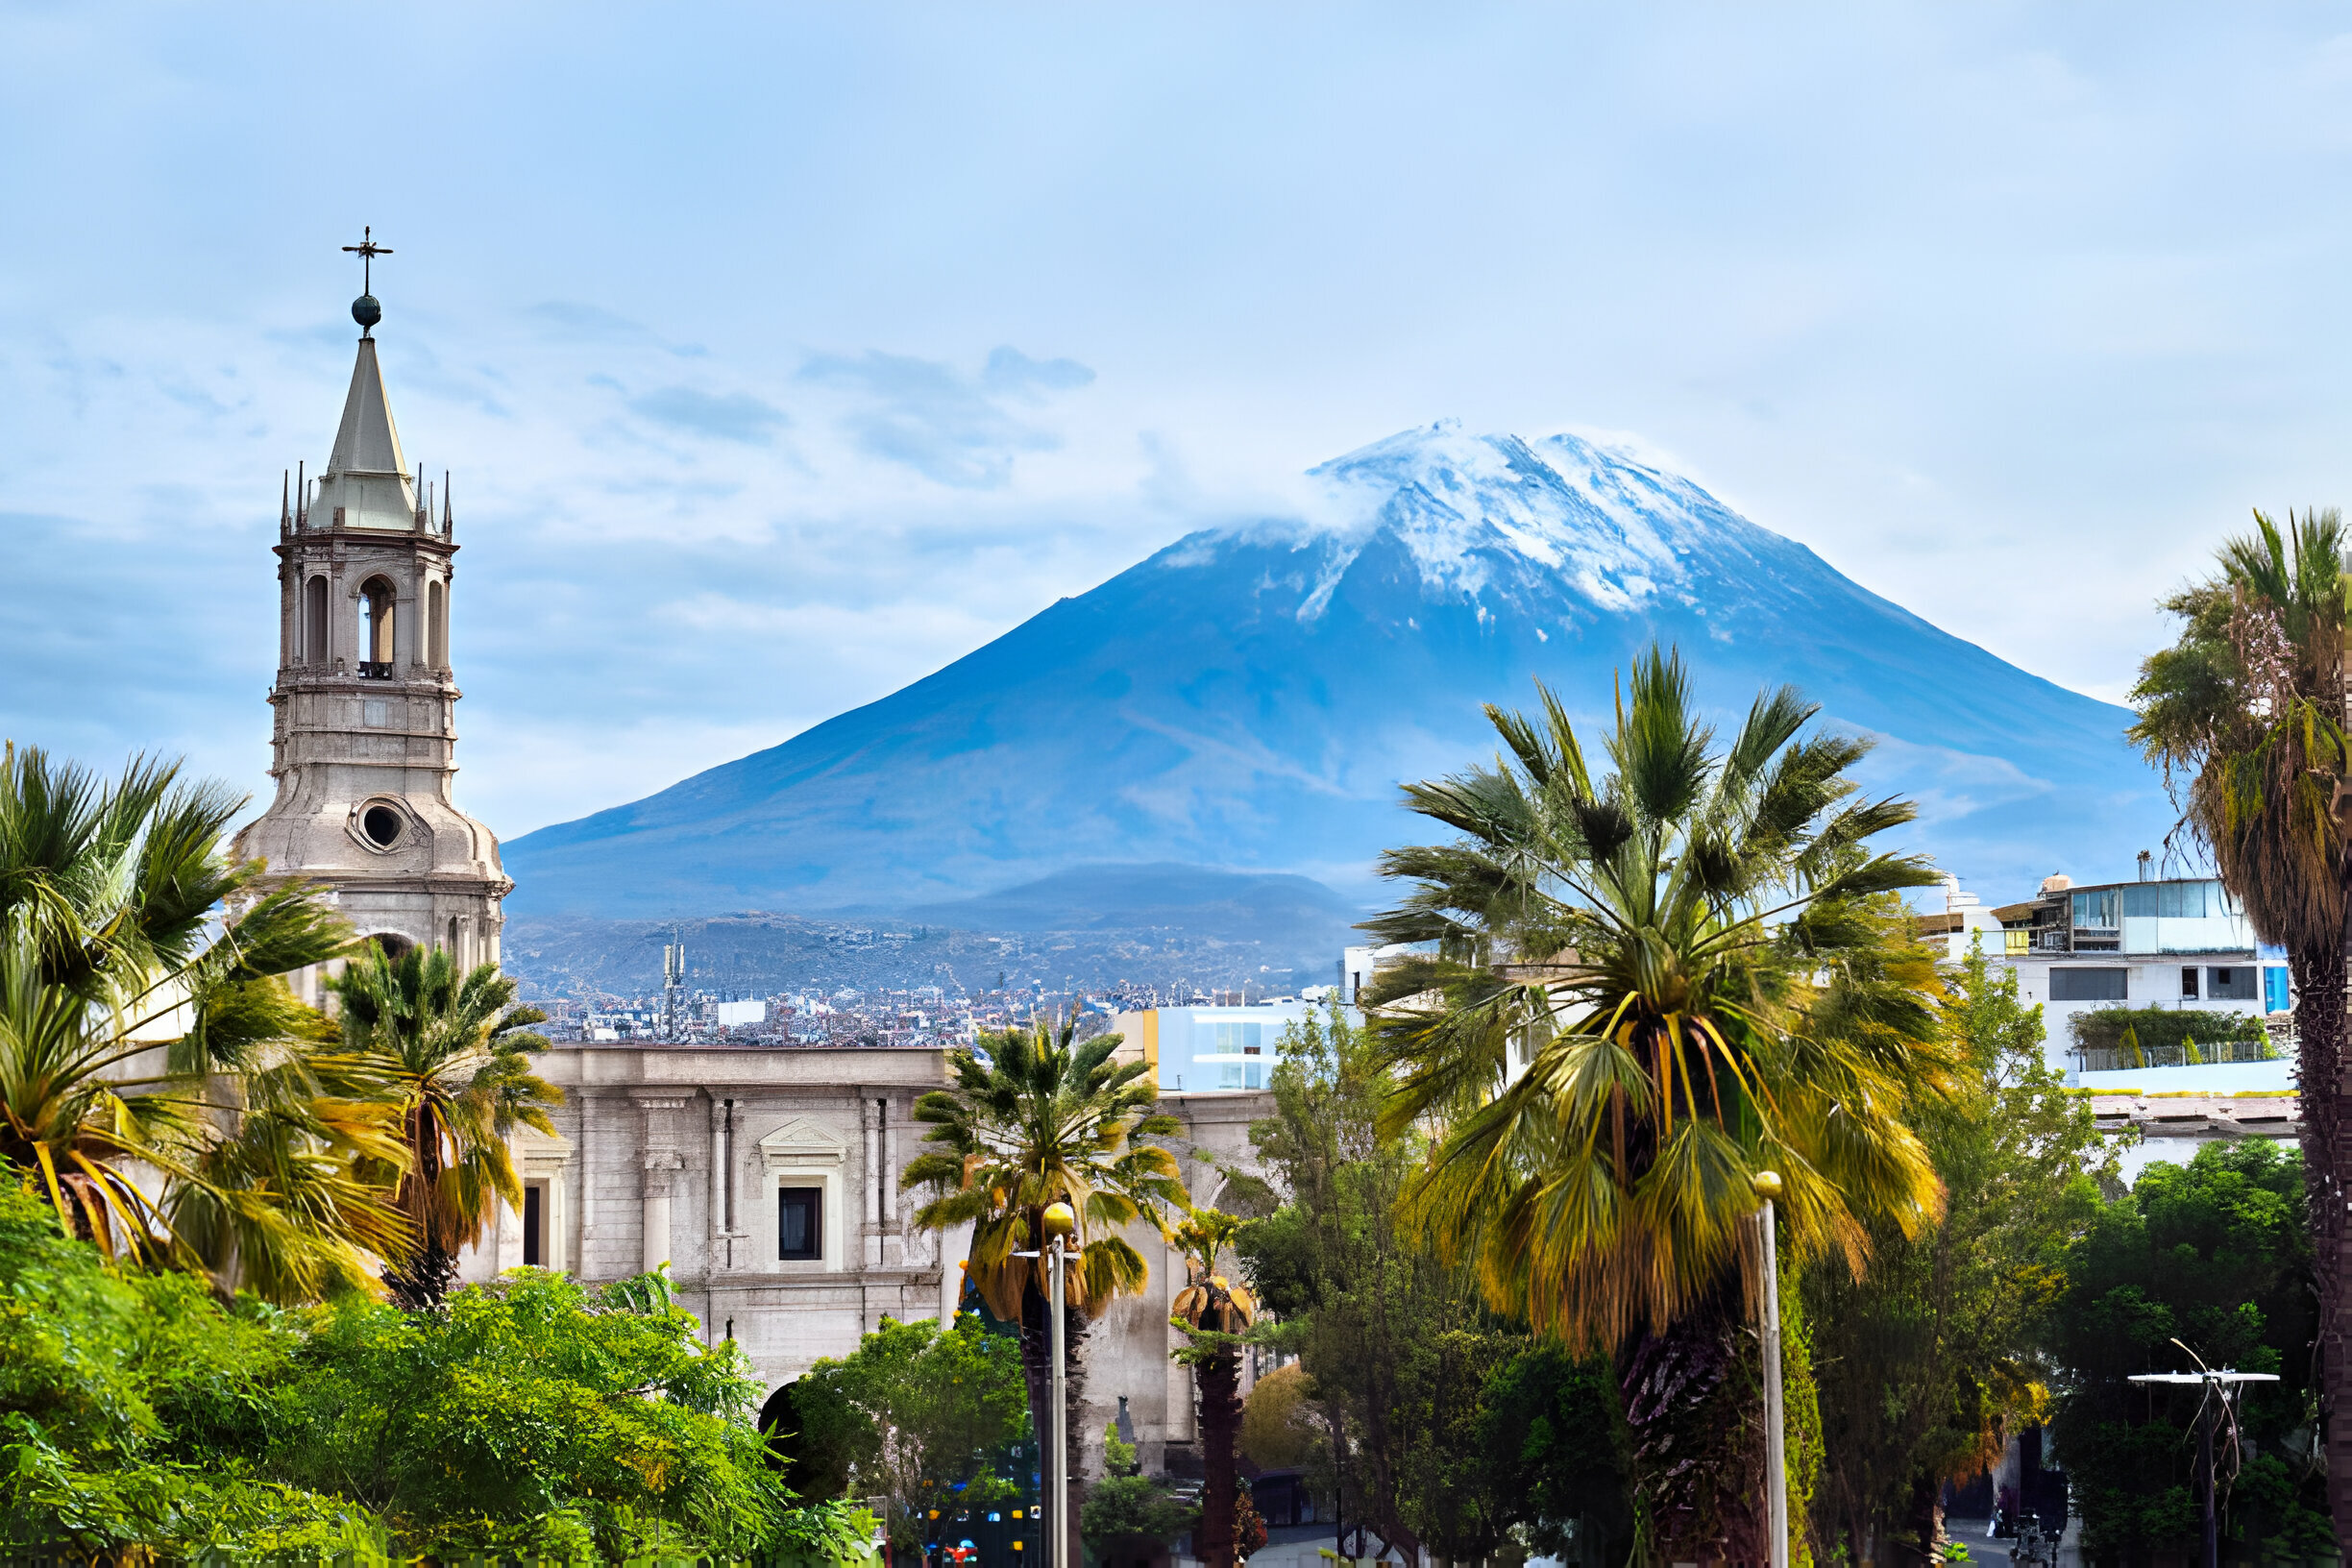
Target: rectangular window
<point>2189,901</point>
<point>534,1226</point>
<point>800,1223</point>
<point>2238,982</point>
<point>2089,985</point>
<point>2189,982</point>
<point>2140,902</point>
<point>1252,1075</point>
<point>1228,1075</point>
<point>2275,989</point>
<point>2095,911</point>
<point>1230,1039</point>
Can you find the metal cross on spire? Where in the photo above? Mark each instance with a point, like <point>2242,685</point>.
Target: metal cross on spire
<point>367,251</point>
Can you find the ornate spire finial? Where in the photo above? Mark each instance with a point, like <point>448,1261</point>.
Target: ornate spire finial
<point>364,309</point>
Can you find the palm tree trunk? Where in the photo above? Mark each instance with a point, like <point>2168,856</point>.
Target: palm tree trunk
<point>1692,1418</point>
<point>1219,1382</point>
<point>2319,1018</point>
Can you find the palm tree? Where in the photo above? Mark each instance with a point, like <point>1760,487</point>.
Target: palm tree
<point>2245,713</point>
<point>1212,1313</point>
<point>1036,1118</point>
<point>454,1050</point>
<point>1646,987</point>
<point>136,1031</point>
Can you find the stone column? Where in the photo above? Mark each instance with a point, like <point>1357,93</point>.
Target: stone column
<point>719,1169</point>
<point>869,1138</point>
<point>661,1168</point>
<point>661,1164</point>
<point>894,1244</point>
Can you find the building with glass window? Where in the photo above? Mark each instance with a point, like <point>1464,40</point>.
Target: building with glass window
<point>2176,943</point>
<point>1195,1048</point>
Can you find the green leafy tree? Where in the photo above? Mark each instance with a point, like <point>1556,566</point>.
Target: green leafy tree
<point>454,1052</point>
<point>2215,1255</point>
<point>1380,1323</point>
<point>2245,713</point>
<point>141,1418</point>
<point>1936,1348</point>
<point>135,1031</point>
<point>917,1413</point>
<point>1034,1118</point>
<point>1647,986</point>
<point>1126,1506</point>
<point>1552,1433</point>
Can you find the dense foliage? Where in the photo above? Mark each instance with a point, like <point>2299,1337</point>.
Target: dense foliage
<point>1127,1506</point>
<point>1413,1407</point>
<point>915,1412</point>
<point>138,1029</point>
<point>451,1049</point>
<point>1655,973</point>
<point>137,1410</point>
<point>2213,1254</point>
<point>2153,1027</point>
<point>1934,1349</point>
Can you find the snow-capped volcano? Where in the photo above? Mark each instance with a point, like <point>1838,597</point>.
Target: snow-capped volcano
<point>1250,699</point>
<point>1484,512</point>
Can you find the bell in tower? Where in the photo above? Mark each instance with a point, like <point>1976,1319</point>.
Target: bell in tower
<point>363,732</point>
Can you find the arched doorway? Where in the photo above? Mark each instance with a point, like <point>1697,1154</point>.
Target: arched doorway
<point>394,945</point>
<point>811,1467</point>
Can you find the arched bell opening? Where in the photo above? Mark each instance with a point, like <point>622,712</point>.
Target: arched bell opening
<point>379,603</point>
<point>437,625</point>
<point>314,622</point>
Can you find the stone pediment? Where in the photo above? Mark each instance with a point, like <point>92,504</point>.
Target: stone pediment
<point>539,1154</point>
<point>802,1142</point>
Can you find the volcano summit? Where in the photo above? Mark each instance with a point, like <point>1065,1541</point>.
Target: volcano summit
<point>1250,697</point>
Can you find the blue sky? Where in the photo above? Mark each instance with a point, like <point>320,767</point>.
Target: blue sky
<point>783,353</point>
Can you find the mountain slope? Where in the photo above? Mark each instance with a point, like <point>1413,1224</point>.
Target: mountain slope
<point>1249,699</point>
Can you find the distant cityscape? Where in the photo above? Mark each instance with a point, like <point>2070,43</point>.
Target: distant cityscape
<point>769,979</point>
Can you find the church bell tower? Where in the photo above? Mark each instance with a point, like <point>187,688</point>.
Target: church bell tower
<point>363,733</point>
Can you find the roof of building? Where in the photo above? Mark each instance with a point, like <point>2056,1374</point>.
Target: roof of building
<point>366,441</point>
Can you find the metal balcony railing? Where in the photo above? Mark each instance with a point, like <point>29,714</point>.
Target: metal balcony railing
<point>2121,1058</point>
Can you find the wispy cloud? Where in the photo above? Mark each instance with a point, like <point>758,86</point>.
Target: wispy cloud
<point>944,424</point>
<point>732,416</point>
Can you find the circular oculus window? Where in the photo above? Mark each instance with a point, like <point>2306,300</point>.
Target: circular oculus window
<point>382,825</point>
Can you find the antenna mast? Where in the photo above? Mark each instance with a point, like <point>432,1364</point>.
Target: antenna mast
<point>674,983</point>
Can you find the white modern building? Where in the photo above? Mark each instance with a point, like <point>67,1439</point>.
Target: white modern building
<point>2177,944</point>
<point>1197,1050</point>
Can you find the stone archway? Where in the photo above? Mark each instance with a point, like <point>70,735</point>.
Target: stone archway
<point>394,945</point>
<point>808,1470</point>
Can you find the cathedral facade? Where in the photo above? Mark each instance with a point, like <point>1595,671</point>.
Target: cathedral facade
<point>764,1180</point>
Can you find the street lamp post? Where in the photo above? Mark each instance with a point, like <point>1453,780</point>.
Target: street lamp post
<point>2220,1389</point>
<point>1766,1185</point>
<point>1059,1221</point>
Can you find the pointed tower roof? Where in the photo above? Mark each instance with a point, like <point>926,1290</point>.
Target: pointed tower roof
<point>366,441</point>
